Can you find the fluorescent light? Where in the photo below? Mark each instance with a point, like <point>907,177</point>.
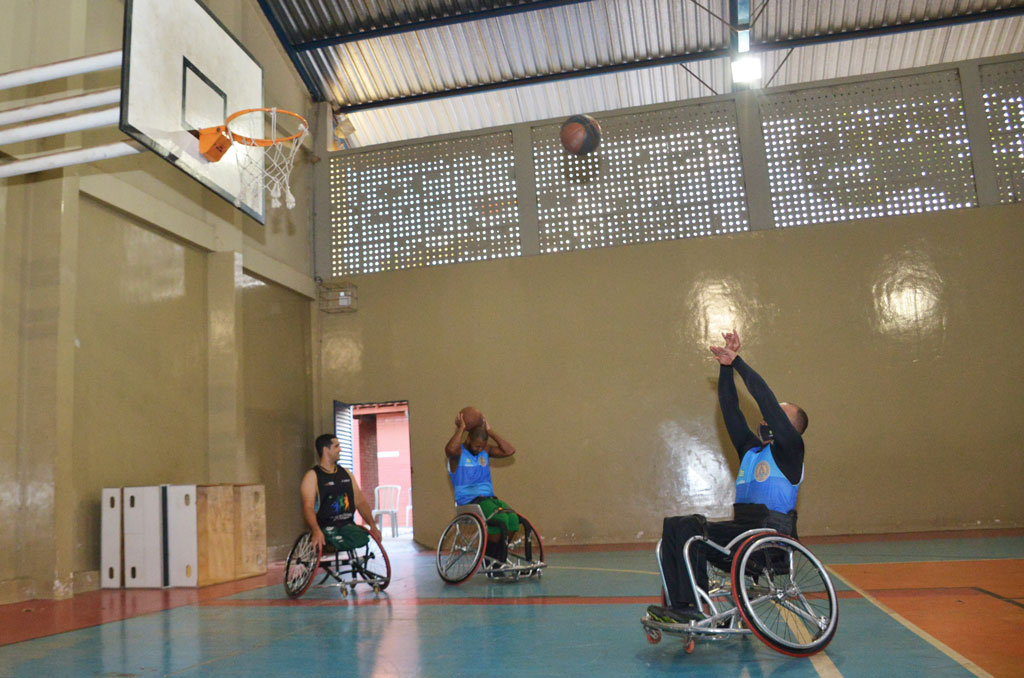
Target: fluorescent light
<point>746,69</point>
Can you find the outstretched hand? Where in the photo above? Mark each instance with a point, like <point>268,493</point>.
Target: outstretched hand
<point>459,422</point>
<point>732,341</point>
<point>723,354</point>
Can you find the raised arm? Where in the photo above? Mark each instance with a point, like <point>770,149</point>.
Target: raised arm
<point>788,444</point>
<point>735,423</point>
<point>454,445</point>
<point>503,449</point>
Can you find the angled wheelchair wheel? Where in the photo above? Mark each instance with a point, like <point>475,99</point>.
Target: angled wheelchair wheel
<point>461,548</point>
<point>373,564</point>
<point>784,595</point>
<point>300,568</point>
<point>524,546</point>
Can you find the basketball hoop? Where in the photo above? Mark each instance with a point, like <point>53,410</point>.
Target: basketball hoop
<point>278,156</point>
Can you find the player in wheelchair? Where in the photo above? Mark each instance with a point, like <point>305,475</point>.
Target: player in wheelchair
<point>485,529</point>
<point>750,574</point>
<point>347,553</point>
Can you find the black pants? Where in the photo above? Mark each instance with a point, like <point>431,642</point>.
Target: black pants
<point>678,529</point>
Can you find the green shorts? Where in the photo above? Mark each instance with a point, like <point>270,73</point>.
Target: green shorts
<point>347,537</point>
<point>507,518</point>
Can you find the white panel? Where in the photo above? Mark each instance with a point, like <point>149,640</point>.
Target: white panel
<point>436,203</point>
<point>182,544</point>
<point>143,538</point>
<point>343,431</point>
<point>869,149</point>
<point>110,538</point>
<point>1002,87</point>
<point>658,175</point>
<point>183,69</point>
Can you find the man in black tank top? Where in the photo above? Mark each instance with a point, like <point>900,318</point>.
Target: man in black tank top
<point>330,498</point>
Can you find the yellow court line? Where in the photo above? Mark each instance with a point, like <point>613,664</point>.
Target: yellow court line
<point>935,642</point>
<point>599,569</point>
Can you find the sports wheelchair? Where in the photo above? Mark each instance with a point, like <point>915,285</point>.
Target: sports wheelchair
<point>462,549</point>
<point>364,565</point>
<point>762,583</point>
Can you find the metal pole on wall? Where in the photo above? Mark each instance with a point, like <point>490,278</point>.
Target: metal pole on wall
<point>68,158</point>
<point>60,106</point>
<point>61,69</point>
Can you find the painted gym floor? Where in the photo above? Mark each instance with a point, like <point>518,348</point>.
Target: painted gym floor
<point>921,605</point>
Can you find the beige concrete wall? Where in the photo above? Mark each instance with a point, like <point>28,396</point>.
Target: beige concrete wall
<point>123,335</point>
<point>277,377</point>
<point>140,346</point>
<point>899,337</point>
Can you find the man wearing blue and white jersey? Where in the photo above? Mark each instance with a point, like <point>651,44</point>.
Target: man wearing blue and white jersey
<point>469,468</point>
<point>771,470</point>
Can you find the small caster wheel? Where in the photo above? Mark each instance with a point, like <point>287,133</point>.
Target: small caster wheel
<point>690,644</point>
<point>376,589</point>
<point>344,592</point>
<point>653,636</point>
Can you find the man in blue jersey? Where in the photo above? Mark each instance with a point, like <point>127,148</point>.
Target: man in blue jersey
<point>469,468</point>
<point>771,470</point>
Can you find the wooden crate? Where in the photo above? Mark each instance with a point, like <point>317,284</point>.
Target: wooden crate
<point>215,533</point>
<point>250,531</point>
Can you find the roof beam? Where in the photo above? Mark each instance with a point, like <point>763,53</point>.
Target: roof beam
<point>530,6</point>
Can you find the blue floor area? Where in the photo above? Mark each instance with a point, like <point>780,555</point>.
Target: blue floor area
<point>422,627</point>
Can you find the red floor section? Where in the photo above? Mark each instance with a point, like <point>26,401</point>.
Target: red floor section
<point>38,618</point>
<point>972,606</point>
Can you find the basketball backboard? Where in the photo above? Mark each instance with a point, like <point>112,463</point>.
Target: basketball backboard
<point>183,71</point>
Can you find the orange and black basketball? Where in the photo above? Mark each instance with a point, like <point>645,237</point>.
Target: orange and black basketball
<point>581,134</point>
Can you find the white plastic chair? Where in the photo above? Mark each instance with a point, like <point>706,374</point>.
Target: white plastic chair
<point>385,501</point>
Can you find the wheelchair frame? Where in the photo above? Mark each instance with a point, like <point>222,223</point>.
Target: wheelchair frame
<point>468,548</point>
<point>745,594</point>
<point>305,560</point>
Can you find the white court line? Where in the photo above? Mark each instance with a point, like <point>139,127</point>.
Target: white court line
<point>599,569</point>
<point>935,642</point>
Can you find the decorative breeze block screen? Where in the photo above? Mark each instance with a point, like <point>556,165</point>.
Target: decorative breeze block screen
<point>1002,91</point>
<point>436,203</point>
<point>868,149</point>
<point>663,175</point>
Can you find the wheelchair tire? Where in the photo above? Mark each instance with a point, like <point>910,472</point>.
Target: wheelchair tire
<point>461,548</point>
<point>784,594</point>
<point>524,546</point>
<point>373,564</point>
<point>301,566</point>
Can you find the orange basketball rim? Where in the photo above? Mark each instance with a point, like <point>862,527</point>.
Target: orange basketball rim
<point>215,141</point>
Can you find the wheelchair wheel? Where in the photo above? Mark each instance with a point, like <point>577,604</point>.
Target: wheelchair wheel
<point>303,561</point>
<point>524,546</point>
<point>372,562</point>
<point>461,548</point>
<point>784,595</point>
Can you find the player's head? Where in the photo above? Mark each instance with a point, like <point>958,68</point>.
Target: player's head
<point>323,444</point>
<point>477,440</point>
<point>797,417</point>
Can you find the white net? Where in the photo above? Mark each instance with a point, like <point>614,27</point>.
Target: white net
<point>269,166</point>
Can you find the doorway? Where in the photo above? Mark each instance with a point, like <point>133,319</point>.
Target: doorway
<point>378,436</point>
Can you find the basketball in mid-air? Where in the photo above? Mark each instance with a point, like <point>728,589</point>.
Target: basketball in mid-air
<point>581,134</point>
<point>471,417</point>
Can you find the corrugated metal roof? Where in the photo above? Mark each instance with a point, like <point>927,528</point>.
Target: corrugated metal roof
<point>572,36</point>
